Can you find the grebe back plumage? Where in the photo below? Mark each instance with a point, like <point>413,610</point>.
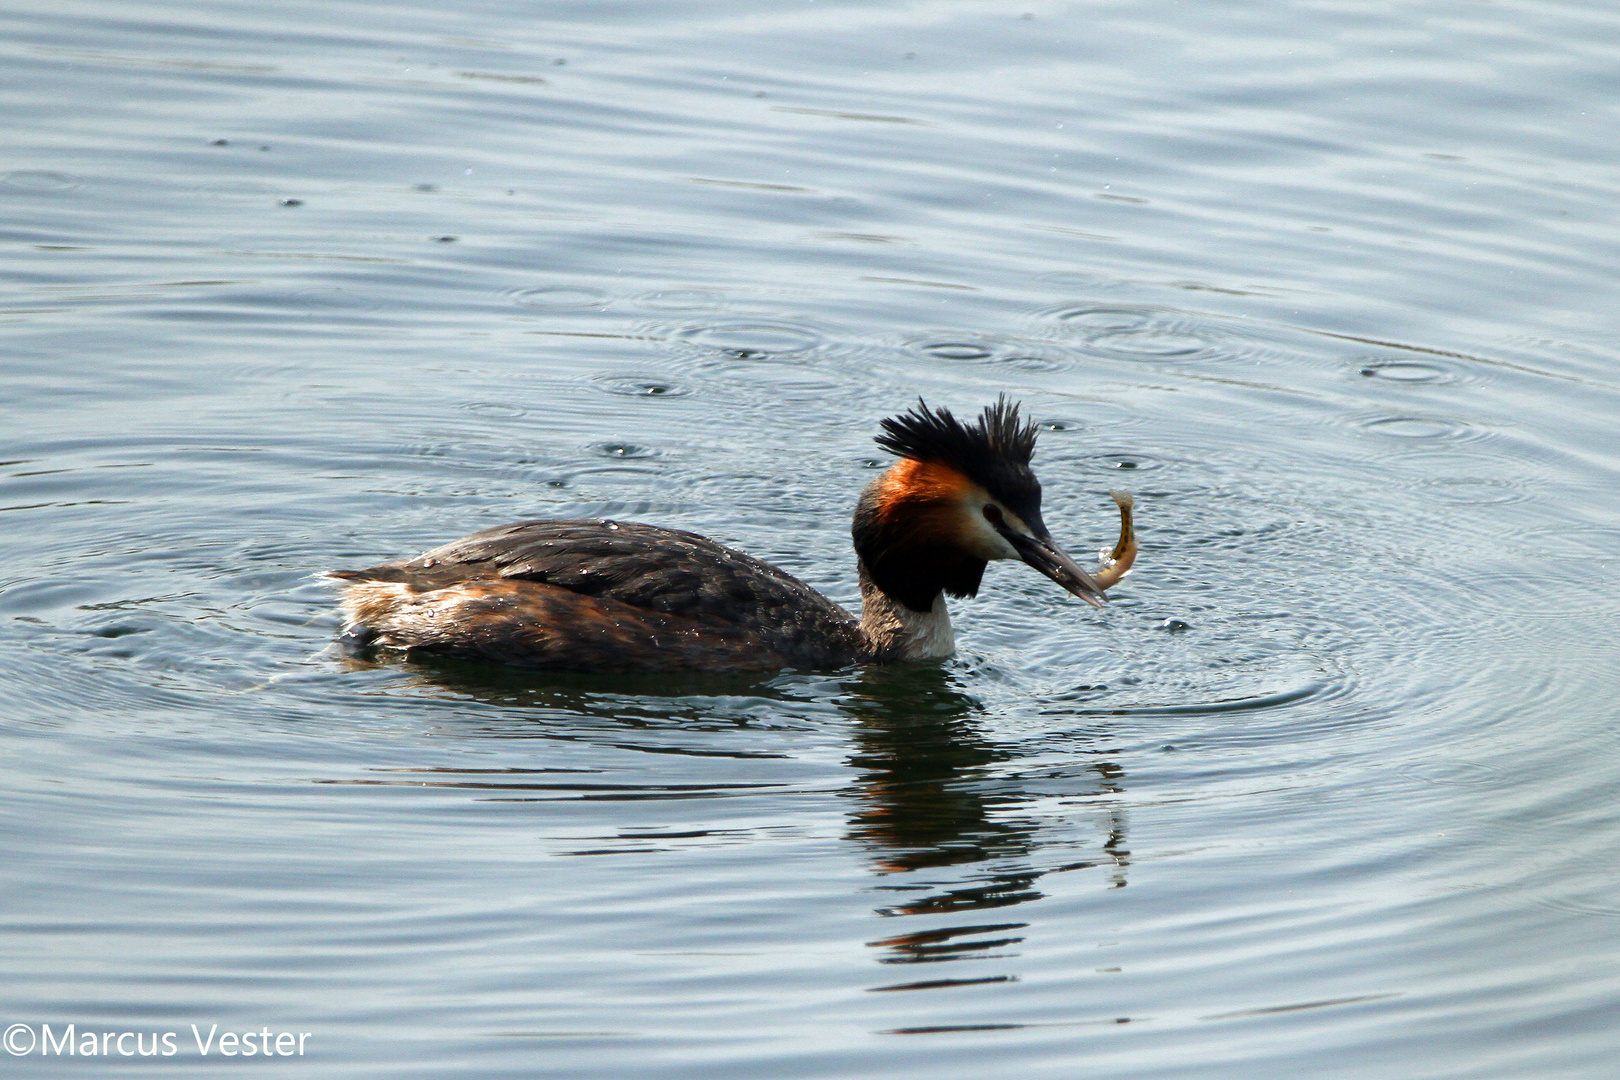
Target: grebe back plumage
<point>600,595</point>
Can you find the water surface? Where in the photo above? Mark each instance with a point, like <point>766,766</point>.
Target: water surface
<point>1328,791</point>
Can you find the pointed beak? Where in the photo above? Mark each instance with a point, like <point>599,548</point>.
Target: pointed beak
<point>1043,554</point>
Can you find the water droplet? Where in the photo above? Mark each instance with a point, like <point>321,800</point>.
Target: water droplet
<point>1407,371</point>
<point>1473,490</point>
<point>1151,343</point>
<point>754,341</point>
<point>1416,427</point>
<point>1140,334</point>
<point>559,297</point>
<point>622,451</point>
<point>639,386</point>
<point>1124,460</point>
<point>1103,318</point>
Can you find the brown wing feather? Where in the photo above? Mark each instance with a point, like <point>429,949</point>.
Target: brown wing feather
<point>663,598</point>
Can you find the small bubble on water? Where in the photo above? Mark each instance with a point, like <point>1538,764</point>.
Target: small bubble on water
<point>1406,371</point>
<point>292,202</point>
<point>1175,626</point>
<point>632,386</point>
<point>623,451</point>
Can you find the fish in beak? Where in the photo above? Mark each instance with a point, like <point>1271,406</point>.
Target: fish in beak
<point>1038,549</point>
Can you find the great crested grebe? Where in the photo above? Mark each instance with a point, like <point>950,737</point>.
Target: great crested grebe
<point>602,595</point>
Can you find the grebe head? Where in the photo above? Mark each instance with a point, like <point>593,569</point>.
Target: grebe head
<point>959,497</point>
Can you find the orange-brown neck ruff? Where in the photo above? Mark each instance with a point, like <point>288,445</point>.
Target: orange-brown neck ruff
<point>914,481</point>
<point>920,502</point>
<point>906,532</point>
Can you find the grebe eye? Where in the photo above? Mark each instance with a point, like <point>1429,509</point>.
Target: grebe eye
<point>992,514</point>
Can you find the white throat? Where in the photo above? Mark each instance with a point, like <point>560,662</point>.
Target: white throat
<point>901,633</point>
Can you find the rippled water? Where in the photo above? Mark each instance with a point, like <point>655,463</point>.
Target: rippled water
<point>1329,791</point>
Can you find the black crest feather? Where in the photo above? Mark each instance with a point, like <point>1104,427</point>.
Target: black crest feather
<point>912,567</point>
<point>995,450</point>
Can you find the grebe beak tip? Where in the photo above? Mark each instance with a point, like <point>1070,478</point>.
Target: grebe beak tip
<point>1043,553</point>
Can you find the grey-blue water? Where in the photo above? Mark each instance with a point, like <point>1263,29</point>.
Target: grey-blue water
<point>1332,790</point>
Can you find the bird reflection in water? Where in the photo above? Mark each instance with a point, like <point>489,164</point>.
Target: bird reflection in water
<point>947,829</point>
<point>930,798</point>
